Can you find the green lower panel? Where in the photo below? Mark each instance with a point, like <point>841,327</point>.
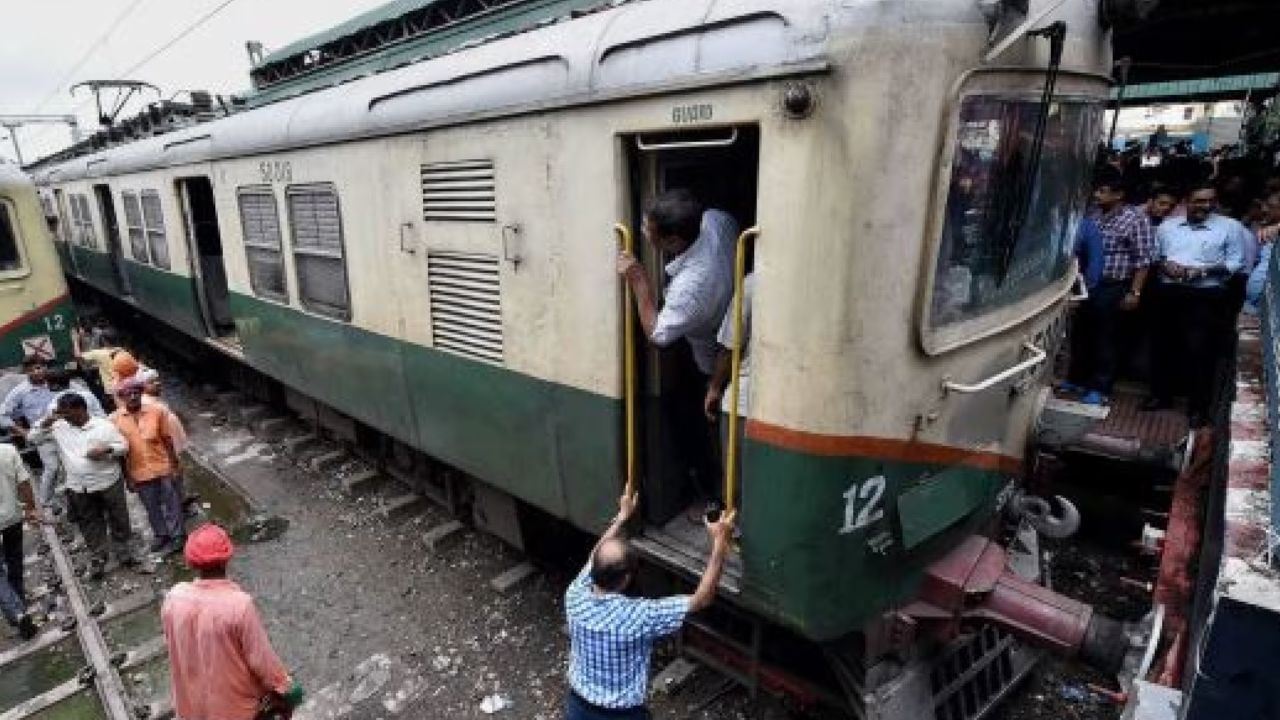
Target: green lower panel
<point>54,321</point>
<point>95,268</point>
<point>824,543</point>
<point>551,445</point>
<point>169,296</point>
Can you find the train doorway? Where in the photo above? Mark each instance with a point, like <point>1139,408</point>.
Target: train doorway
<point>204,244</point>
<point>111,226</point>
<point>720,167</point>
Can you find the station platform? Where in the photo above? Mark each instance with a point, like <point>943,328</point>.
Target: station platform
<point>1219,558</point>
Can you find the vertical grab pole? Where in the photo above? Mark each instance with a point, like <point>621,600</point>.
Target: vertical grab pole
<point>731,456</point>
<point>628,362</point>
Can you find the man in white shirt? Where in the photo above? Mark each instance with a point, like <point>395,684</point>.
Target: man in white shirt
<point>700,243</point>
<point>1198,256</point>
<point>91,448</point>
<point>717,390</point>
<point>16,504</point>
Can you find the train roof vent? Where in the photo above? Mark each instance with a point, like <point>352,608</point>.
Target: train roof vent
<point>466,307</point>
<point>464,191</point>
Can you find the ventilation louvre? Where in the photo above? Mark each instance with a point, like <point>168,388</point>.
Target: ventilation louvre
<point>463,191</point>
<point>466,308</point>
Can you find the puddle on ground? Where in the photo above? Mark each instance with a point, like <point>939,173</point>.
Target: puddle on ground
<point>229,508</point>
<point>130,631</point>
<point>40,672</point>
<point>81,706</point>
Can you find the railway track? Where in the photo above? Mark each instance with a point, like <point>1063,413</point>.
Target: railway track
<point>100,653</point>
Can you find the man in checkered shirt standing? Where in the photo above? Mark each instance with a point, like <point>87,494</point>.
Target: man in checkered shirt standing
<point>1128,251</point>
<point>612,635</point>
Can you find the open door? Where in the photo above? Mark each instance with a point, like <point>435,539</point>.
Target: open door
<point>107,209</point>
<point>678,446</point>
<point>204,243</point>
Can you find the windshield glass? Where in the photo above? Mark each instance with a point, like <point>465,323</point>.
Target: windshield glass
<point>981,266</point>
<point>10,258</point>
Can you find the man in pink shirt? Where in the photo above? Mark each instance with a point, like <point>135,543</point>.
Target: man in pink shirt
<point>222,665</point>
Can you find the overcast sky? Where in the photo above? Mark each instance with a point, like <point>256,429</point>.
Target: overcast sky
<point>44,41</point>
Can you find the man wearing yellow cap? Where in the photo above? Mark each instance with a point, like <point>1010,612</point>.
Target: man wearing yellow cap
<point>221,662</point>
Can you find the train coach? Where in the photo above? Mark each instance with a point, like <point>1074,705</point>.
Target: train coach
<point>421,238</point>
<point>36,315</point>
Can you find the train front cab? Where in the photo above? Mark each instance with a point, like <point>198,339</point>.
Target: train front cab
<point>35,310</point>
<point>840,526</point>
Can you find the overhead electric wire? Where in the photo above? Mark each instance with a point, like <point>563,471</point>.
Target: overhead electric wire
<point>177,38</point>
<point>102,39</point>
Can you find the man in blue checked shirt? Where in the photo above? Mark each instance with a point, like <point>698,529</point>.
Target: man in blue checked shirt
<point>612,635</point>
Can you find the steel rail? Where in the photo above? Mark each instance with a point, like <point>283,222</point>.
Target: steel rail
<point>106,680</point>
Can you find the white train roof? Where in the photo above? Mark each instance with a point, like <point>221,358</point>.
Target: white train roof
<point>631,49</point>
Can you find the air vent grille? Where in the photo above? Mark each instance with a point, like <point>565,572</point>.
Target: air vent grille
<point>459,191</point>
<point>466,308</point>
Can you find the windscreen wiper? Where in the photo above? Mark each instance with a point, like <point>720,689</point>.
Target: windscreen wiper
<point>1057,35</point>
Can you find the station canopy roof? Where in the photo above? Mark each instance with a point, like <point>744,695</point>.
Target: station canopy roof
<point>1197,39</point>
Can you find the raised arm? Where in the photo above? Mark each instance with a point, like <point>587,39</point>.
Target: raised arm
<point>721,532</point>
<point>633,274</point>
<point>626,508</point>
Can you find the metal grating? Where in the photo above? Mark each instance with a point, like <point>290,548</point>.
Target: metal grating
<point>466,307</point>
<point>1161,429</point>
<point>974,674</point>
<point>461,191</point>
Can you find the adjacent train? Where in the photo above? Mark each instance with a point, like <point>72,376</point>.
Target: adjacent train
<point>36,314</point>
<point>428,247</point>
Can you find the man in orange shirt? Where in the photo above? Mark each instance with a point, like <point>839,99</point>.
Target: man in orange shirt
<point>221,663</point>
<point>151,466</point>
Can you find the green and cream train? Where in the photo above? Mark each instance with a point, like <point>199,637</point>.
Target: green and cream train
<point>36,316</point>
<point>429,249</point>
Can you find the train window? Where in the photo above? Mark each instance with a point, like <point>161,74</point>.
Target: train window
<point>260,220</point>
<point>984,265</point>
<point>315,224</point>
<point>153,221</point>
<point>10,253</point>
<point>82,218</point>
<point>133,224</point>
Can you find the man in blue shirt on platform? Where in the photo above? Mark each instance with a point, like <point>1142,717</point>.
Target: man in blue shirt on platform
<point>1127,252</point>
<point>1198,256</point>
<point>612,635</point>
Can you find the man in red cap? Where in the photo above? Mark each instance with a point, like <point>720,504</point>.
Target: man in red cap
<point>221,662</point>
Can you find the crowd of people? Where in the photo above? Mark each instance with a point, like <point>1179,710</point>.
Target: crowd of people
<point>1174,247</point>
<point>92,441</point>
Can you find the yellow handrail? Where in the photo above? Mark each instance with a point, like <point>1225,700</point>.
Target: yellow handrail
<point>628,362</point>
<point>735,378</point>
